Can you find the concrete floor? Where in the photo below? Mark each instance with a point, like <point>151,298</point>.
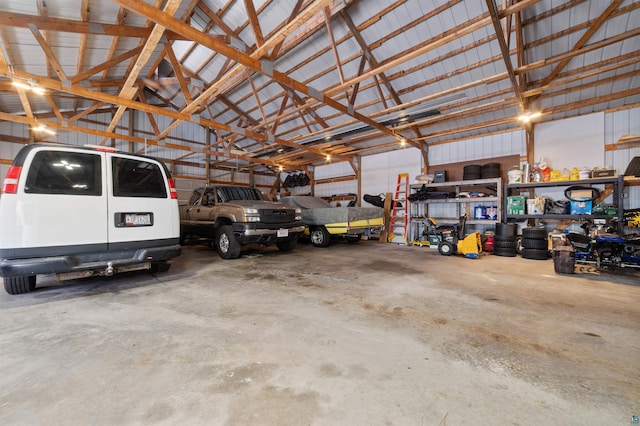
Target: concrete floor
<point>371,334</point>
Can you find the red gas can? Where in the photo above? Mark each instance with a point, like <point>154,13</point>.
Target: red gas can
<point>488,245</point>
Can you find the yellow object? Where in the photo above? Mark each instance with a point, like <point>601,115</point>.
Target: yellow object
<point>471,244</point>
<point>555,175</point>
<point>575,174</point>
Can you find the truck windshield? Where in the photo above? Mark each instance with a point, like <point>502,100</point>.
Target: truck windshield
<point>231,193</point>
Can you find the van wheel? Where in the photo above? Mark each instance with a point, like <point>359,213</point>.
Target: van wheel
<point>226,243</point>
<point>287,245</point>
<point>159,267</point>
<point>19,285</point>
<point>320,237</point>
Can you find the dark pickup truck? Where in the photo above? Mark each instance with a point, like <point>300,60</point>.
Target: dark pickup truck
<point>234,216</point>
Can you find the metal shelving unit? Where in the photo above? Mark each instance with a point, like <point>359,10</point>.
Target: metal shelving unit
<point>530,188</point>
<point>419,210</point>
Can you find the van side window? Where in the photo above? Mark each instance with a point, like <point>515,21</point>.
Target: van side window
<point>62,172</point>
<point>137,178</point>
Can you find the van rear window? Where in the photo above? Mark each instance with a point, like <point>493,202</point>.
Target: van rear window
<point>62,172</point>
<point>137,178</point>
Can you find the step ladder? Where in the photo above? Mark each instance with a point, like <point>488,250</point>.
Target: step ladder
<point>399,222</point>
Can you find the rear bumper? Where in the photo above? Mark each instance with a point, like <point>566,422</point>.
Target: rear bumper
<point>87,261</point>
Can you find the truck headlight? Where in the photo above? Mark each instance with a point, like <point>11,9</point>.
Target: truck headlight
<point>298,213</point>
<point>251,215</point>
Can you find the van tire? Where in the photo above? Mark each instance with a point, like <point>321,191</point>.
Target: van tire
<point>159,267</point>
<point>19,285</point>
<point>287,245</point>
<point>226,243</point>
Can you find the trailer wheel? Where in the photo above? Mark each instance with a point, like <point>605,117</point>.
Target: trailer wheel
<point>320,237</point>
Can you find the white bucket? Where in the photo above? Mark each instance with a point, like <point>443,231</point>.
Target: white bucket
<point>515,175</point>
<point>533,208</point>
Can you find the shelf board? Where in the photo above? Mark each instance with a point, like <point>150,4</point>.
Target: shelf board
<point>593,181</point>
<point>473,182</point>
<point>559,216</point>
<point>458,200</point>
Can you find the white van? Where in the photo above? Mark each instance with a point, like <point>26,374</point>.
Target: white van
<point>82,211</point>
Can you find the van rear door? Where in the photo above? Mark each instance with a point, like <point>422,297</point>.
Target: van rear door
<point>60,203</point>
<point>141,210</point>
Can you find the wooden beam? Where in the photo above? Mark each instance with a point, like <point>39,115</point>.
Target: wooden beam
<point>47,23</point>
<point>506,55</point>
<point>255,23</point>
<point>51,57</point>
<point>106,65</point>
<point>128,91</point>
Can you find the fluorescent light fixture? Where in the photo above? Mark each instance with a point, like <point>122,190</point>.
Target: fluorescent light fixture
<point>527,116</point>
<point>44,129</point>
<point>29,86</point>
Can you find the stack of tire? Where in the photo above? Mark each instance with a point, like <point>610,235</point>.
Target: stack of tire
<point>490,171</point>
<point>504,240</point>
<point>535,244</point>
<point>471,172</point>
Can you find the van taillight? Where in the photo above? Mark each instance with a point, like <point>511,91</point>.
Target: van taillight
<point>10,185</point>
<point>172,189</point>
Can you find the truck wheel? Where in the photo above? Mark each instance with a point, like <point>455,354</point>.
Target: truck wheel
<point>320,237</point>
<point>19,285</point>
<point>226,243</point>
<point>287,245</point>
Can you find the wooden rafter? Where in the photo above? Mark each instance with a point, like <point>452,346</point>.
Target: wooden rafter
<point>128,91</point>
<point>506,55</point>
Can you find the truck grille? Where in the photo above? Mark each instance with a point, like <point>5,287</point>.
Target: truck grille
<point>277,216</point>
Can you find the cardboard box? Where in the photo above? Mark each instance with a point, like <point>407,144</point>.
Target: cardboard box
<point>603,173</point>
<point>515,204</point>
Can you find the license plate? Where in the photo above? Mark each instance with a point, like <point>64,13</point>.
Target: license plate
<point>283,233</point>
<point>133,219</point>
